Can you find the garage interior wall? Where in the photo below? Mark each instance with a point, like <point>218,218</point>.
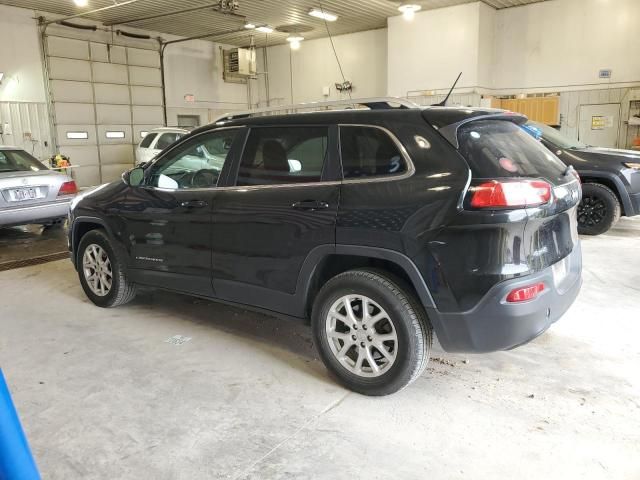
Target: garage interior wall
<point>23,109</point>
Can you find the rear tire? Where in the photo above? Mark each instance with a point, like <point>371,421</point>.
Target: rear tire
<point>395,322</point>
<point>101,268</point>
<point>599,209</point>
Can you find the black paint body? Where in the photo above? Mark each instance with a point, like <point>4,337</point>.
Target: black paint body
<point>252,247</point>
<point>607,166</point>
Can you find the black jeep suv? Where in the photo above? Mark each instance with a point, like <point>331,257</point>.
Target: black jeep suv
<point>380,226</point>
<point>610,179</point>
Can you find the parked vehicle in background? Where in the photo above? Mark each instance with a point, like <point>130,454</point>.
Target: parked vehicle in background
<point>157,140</point>
<point>610,179</point>
<point>30,192</point>
<point>378,226</point>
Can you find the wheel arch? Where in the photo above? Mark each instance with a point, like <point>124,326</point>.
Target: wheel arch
<point>80,227</point>
<point>323,264</point>
<point>611,181</point>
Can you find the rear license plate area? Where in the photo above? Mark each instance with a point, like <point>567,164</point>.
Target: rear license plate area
<point>560,271</point>
<point>25,194</point>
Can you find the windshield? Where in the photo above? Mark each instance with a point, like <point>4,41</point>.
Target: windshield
<point>19,161</point>
<point>552,135</point>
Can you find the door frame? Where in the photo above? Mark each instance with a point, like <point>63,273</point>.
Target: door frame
<point>599,104</point>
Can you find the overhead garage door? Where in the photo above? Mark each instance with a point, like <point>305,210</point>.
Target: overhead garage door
<point>103,97</point>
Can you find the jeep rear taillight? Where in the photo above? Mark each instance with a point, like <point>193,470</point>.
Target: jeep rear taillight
<point>509,194</point>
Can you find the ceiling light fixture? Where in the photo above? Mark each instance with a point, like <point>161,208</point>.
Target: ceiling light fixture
<point>409,10</point>
<point>265,29</point>
<point>294,42</point>
<point>249,26</point>
<point>323,15</point>
<point>81,3</point>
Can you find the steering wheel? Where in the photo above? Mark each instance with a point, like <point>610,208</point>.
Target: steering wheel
<point>205,178</point>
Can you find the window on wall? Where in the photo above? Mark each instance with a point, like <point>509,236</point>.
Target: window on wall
<point>77,135</point>
<point>282,155</point>
<point>369,152</point>
<point>114,134</point>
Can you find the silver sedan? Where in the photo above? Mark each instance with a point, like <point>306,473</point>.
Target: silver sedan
<point>30,192</point>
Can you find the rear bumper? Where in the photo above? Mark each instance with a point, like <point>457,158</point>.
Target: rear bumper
<point>34,213</point>
<point>496,325</point>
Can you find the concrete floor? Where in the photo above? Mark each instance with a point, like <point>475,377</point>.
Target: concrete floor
<point>103,395</point>
<point>28,241</point>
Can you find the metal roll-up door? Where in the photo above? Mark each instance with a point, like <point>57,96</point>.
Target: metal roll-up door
<point>104,99</point>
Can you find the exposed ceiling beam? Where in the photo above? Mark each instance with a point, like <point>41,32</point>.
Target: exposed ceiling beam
<point>89,12</point>
<point>176,12</point>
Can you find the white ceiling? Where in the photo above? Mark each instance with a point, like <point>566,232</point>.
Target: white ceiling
<point>354,15</point>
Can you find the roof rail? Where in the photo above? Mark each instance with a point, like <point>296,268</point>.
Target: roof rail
<point>374,103</point>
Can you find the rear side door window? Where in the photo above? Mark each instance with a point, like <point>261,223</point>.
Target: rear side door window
<point>284,155</point>
<point>167,139</point>
<point>369,152</point>
<point>148,138</point>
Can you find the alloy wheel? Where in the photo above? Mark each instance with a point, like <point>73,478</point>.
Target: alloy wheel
<point>591,211</point>
<point>361,335</point>
<point>96,267</point>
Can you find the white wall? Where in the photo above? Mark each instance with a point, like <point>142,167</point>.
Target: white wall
<point>362,55</point>
<point>430,51</point>
<point>20,58</point>
<point>563,43</point>
<point>195,67</point>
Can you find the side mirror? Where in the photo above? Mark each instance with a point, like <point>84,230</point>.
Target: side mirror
<point>136,176</point>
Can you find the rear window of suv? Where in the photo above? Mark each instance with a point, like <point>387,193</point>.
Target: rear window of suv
<point>500,148</point>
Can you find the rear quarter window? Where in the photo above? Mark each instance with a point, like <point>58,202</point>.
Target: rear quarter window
<point>146,141</point>
<point>369,152</point>
<point>500,148</point>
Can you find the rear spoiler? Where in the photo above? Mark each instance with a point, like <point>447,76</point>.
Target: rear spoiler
<point>450,132</point>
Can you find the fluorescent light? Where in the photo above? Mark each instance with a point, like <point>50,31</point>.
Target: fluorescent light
<point>323,14</point>
<point>409,10</point>
<point>249,26</point>
<point>81,3</point>
<point>294,42</point>
<point>264,29</point>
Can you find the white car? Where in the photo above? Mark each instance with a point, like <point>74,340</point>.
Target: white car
<point>157,140</point>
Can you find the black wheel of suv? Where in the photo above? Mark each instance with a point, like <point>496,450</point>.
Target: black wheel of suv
<point>599,209</point>
<point>101,271</point>
<point>371,333</point>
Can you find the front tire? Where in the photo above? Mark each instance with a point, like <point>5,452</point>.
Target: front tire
<point>599,209</point>
<point>371,332</point>
<point>101,269</point>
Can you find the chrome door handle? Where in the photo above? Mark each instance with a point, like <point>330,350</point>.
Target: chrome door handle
<point>194,204</point>
<point>310,205</point>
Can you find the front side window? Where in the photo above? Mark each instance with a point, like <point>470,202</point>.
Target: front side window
<point>282,155</point>
<point>196,164</point>
<point>369,152</point>
<point>167,139</point>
